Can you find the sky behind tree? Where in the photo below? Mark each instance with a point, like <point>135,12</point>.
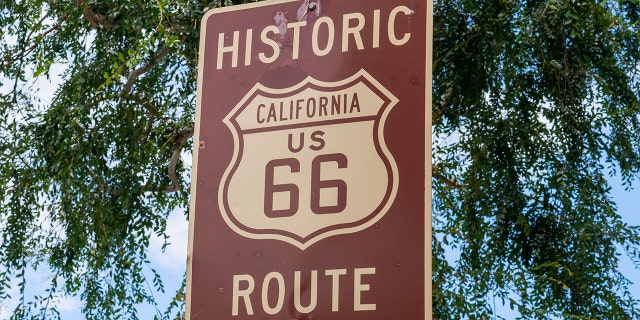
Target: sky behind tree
<point>171,264</point>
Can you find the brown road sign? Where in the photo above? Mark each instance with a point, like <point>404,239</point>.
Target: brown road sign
<point>311,178</point>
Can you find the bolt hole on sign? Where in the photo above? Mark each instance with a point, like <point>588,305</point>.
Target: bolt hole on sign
<point>311,194</point>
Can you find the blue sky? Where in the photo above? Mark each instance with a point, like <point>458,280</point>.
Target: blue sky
<point>628,207</point>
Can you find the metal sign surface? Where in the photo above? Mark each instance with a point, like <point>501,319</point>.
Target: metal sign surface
<point>311,176</point>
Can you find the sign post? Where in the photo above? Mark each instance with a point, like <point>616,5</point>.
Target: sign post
<point>311,182</point>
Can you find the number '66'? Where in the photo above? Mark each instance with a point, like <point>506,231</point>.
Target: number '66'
<point>316,186</point>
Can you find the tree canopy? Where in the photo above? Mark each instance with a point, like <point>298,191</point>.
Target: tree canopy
<point>536,103</point>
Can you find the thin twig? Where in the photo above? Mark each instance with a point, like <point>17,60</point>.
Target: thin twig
<point>105,188</point>
<point>39,39</point>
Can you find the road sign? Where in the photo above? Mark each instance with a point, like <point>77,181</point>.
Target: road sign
<point>310,194</point>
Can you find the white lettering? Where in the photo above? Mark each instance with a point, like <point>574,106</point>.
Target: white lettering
<point>335,286</point>
<point>247,50</point>
<point>244,294</point>
<point>323,37</point>
<point>376,28</point>
<point>233,49</point>
<point>355,31</point>
<point>358,287</point>
<point>303,289</point>
<point>265,293</point>
<point>296,36</point>
<point>264,36</point>
<point>330,37</point>
<point>313,290</point>
<point>391,26</point>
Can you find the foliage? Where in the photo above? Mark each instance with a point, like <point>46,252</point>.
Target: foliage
<point>536,102</point>
<point>91,175</point>
<point>541,97</point>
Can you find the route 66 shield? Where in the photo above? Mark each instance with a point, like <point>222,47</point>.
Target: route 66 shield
<point>315,154</point>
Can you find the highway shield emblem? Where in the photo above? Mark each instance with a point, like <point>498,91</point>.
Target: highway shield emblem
<point>309,161</point>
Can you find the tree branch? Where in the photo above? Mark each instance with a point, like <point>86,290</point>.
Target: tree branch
<point>445,97</point>
<point>437,109</point>
<point>175,182</point>
<point>135,73</point>
<point>450,182</point>
<point>96,20</point>
<point>151,111</point>
<point>180,140</point>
